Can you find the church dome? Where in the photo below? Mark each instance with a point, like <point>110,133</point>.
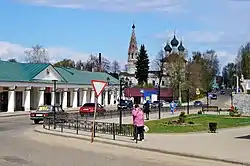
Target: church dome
<point>181,47</point>
<point>174,42</point>
<point>167,48</point>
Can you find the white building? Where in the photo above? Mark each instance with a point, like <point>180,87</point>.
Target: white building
<point>133,51</point>
<point>25,86</point>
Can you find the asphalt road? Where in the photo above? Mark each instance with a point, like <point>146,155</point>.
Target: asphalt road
<point>223,101</point>
<point>21,146</point>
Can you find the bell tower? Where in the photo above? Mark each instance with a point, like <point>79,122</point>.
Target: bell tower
<point>132,52</point>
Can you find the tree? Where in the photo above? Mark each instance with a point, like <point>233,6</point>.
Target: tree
<point>93,64</point>
<point>79,65</point>
<point>244,58</point>
<point>142,66</point>
<point>176,67</point>
<point>12,60</point>
<point>228,73</point>
<point>211,66</point>
<point>115,66</point>
<point>158,65</point>
<point>65,63</point>
<point>37,54</point>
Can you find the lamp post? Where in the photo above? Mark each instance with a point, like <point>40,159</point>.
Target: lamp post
<point>159,95</point>
<point>187,101</point>
<point>121,84</point>
<point>54,109</point>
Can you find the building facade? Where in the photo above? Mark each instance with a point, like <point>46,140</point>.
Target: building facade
<point>25,86</point>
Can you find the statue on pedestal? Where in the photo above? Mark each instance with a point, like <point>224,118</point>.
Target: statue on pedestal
<point>243,84</point>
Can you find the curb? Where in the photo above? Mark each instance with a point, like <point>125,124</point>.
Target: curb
<point>147,149</point>
<point>13,115</point>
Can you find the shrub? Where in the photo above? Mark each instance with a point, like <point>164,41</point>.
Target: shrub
<point>235,112</point>
<point>182,117</point>
<point>199,112</point>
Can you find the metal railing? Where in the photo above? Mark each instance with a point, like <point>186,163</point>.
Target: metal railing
<point>87,126</point>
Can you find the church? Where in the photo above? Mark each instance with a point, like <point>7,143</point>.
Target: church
<point>129,75</point>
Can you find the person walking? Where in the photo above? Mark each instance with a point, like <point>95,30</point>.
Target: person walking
<point>138,121</point>
<point>146,109</point>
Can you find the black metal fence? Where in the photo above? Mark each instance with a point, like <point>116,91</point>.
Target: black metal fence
<point>125,113</point>
<point>76,124</point>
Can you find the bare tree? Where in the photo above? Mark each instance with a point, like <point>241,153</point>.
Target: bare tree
<point>176,67</point>
<point>115,66</point>
<point>37,54</point>
<point>93,64</point>
<point>158,65</point>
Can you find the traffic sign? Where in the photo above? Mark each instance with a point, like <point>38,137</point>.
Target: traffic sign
<point>98,86</point>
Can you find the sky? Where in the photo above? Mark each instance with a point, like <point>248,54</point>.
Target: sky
<point>77,28</point>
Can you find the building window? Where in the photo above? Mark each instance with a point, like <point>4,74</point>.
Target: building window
<point>132,55</point>
<point>153,82</point>
<point>162,83</point>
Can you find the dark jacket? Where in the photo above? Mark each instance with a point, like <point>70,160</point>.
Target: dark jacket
<point>146,107</point>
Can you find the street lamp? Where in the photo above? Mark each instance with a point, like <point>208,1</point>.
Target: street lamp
<point>54,109</point>
<point>187,90</point>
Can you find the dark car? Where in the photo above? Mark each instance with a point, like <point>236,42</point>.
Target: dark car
<point>44,111</point>
<point>198,103</point>
<point>222,92</point>
<point>90,108</point>
<point>214,97</point>
<point>155,104</point>
<point>125,104</point>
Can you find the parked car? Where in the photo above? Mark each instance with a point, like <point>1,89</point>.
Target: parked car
<point>214,97</point>
<point>197,103</point>
<point>45,110</point>
<point>90,108</point>
<point>155,104</point>
<point>222,92</point>
<point>125,104</point>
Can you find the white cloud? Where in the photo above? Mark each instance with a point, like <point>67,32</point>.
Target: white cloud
<point>112,5</point>
<point>10,50</point>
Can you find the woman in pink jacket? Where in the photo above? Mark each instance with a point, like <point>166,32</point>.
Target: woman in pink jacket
<point>138,121</point>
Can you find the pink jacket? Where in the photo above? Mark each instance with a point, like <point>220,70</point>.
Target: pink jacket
<point>138,117</point>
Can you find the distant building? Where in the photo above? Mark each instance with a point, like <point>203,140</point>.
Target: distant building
<point>174,47</point>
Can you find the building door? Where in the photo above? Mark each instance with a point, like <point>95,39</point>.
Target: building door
<point>19,101</point>
<point>47,98</point>
<point>3,101</point>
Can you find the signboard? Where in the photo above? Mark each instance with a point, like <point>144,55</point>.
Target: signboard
<point>98,88</point>
<point>198,91</point>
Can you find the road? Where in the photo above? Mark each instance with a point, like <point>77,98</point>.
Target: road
<point>21,146</point>
<point>223,101</point>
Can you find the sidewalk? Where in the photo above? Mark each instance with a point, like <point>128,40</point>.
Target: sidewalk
<point>13,114</point>
<point>228,145</point>
<point>223,146</point>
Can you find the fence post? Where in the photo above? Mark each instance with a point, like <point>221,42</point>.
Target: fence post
<point>113,130</point>
<point>77,124</point>
<point>49,123</point>
<point>94,129</point>
<point>62,124</point>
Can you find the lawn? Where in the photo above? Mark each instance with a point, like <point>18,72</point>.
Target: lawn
<point>200,123</point>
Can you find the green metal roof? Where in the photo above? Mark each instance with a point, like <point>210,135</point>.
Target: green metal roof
<point>12,71</point>
<point>25,72</point>
<point>74,76</point>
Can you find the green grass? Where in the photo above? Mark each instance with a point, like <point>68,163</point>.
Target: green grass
<point>200,123</point>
